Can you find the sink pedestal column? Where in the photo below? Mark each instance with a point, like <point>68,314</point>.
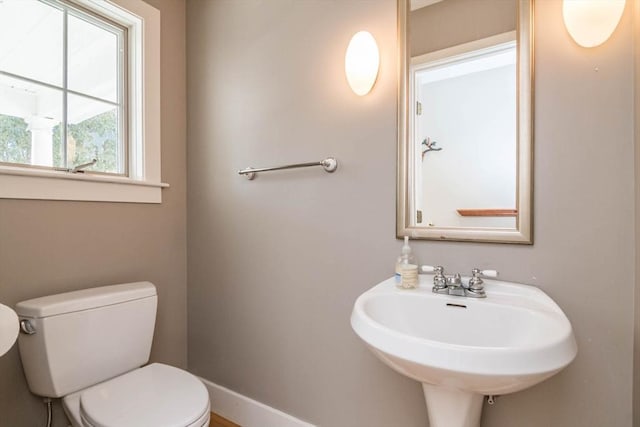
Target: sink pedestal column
<point>449,407</point>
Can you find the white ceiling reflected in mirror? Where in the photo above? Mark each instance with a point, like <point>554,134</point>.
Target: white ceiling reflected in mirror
<point>464,135</point>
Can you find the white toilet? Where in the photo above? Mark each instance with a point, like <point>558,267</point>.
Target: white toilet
<point>88,348</point>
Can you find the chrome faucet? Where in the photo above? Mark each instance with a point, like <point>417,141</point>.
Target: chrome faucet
<point>476,284</point>
<point>439,279</point>
<point>452,285</point>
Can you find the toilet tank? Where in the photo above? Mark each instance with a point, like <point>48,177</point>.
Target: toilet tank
<point>85,337</point>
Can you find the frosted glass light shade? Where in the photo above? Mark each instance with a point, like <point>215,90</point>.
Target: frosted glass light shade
<point>361,62</point>
<point>8,328</point>
<point>591,22</point>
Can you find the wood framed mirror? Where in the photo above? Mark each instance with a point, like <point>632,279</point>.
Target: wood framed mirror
<point>465,120</point>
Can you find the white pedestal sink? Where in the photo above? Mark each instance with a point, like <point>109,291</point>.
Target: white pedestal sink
<point>461,348</point>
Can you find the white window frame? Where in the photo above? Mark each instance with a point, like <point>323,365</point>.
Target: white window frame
<point>143,185</point>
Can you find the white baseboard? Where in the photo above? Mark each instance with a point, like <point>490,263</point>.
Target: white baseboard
<point>247,412</point>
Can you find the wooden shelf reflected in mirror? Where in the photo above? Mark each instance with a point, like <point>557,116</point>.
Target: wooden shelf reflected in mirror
<point>487,212</point>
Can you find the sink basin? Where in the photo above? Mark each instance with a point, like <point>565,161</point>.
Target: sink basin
<point>8,328</point>
<point>464,348</point>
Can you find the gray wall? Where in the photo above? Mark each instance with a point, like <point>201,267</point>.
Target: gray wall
<point>275,264</point>
<point>48,247</point>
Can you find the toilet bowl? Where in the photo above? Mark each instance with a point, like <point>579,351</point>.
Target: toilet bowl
<point>155,395</point>
<point>90,348</point>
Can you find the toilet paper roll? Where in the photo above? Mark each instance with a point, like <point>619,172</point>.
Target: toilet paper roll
<point>9,328</point>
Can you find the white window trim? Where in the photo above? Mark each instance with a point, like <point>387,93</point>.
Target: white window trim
<point>143,185</point>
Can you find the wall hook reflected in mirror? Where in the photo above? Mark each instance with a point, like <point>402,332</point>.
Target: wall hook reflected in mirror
<point>429,145</point>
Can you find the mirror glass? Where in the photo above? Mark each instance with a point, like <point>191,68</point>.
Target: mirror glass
<point>464,146</point>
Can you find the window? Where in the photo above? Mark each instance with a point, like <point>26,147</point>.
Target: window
<point>63,84</point>
<point>79,92</point>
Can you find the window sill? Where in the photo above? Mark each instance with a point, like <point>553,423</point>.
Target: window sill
<point>19,183</point>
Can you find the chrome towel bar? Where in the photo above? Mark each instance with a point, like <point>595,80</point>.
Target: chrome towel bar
<point>330,164</point>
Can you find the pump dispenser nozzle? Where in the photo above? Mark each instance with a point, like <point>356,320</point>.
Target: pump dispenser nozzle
<point>406,249</point>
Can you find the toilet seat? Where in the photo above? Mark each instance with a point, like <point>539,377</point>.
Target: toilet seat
<point>155,396</point>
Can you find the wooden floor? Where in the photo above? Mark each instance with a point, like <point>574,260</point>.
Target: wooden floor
<point>218,421</point>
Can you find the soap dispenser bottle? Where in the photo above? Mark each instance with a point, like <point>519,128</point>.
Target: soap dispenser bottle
<point>404,259</point>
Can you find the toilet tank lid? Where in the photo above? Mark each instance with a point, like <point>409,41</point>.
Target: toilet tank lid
<point>85,299</point>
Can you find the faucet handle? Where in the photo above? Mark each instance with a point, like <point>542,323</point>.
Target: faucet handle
<point>476,285</point>
<point>438,269</point>
<point>439,281</point>
<point>477,273</point>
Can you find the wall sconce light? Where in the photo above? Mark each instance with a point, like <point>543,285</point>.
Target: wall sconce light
<point>591,22</point>
<point>361,62</point>
<point>9,328</point>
